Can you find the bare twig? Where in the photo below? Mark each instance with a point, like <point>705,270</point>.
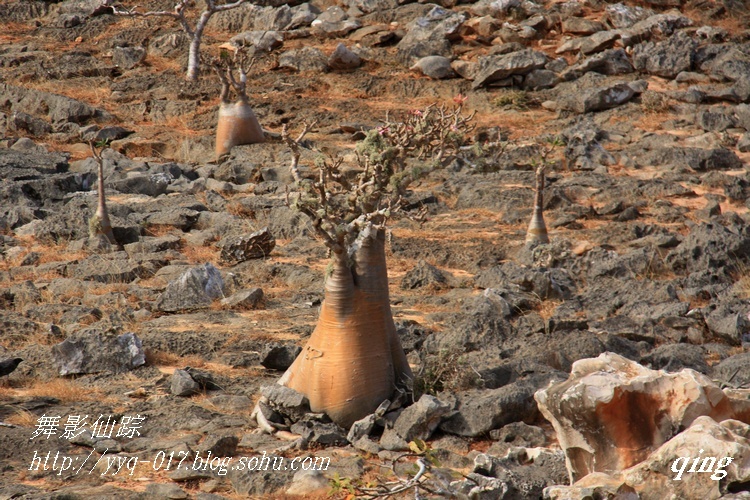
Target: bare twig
<point>389,160</point>
<point>179,15</point>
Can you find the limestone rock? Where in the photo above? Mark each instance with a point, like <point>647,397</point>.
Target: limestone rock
<point>612,413</point>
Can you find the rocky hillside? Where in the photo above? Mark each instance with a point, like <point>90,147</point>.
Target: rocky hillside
<point>600,358</point>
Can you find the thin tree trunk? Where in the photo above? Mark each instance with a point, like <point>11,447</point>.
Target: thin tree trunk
<point>194,56</point>
<point>102,214</point>
<point>354,359</point>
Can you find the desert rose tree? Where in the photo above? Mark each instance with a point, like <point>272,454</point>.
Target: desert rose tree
<point>237,122</point>
<point>354,360</point>
<point>179,14</point>
<point>100,224</point>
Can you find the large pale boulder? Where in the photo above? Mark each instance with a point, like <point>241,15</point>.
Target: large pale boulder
<point>706,461</point>
<point>612,413</point>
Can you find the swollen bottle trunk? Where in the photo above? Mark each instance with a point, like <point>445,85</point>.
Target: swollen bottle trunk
<point>237,125</point>
<point>537,232</point>
<point>354,358</point>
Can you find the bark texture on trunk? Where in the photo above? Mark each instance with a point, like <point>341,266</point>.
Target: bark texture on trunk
<point>101,223</point>
<point>537,232</point>
<point>194,57</point>
<point>237,125</point>
<point>354,358</point>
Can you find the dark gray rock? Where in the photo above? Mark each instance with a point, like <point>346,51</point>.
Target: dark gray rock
<point>661,25</point>
<point>482,322</point>
<point>743,144</point>
<point>499,67</point>
<point>35,126</point>
<point>128,57</point>
<point>304,59</point>
<point>110,269</point>
<point>733,371</point>
<point>165,491</point>
<point>601,98</point>
<point>152,244</point>
<point>254,479</point>
<point>700,160</point>
<point>262,41</point>
<point>322,433</point>
<point>625,16</point>
<point>437,67</point>
<point>481,487</point>
<point>609,62</point>
<point>246,299</point>
<point>420,420</point>
<point>286,401</point>
<point>279,356</point>
<point>524,476</point>
<point>581,26</point>
<point>195,289</point>
<point>516,434</point>
<point>335,29</point>
<point>56,108</point>
<point>182,384</point>
<point>675,357</point>
<point>204,379</point>
<point>368,6</point>
<point>716,119</point>
<point>424,275</point>
<point>95,352</point>
<point>546,284</point>
<point>429,35</point>
<point>219,445</point>
<point>480,411</point>
<point>178,217</point>
<point>729,322</point>
<point>142,183</point>
<point>732,64</point>
<point>708,246</point>
<point>257,245</point>
<point>665,58</point>
<point>540,79</point>
<point>170,45</point>
<point>344,59</point>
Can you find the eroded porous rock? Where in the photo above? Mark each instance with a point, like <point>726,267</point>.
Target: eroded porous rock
<point>708,460</point>
<point>97,352</point>
<point>670,472</point>
<point>612,413</point>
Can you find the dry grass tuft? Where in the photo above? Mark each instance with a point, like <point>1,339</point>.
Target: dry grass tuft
<point>66,390</point>
<point>162,358</point>
<point>655,102</point>
<point>22,418</point>
<point>200,255</point>
<point>157,230</point>
<point>239,210</point>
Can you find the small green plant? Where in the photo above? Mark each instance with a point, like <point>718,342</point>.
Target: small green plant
<point>422,449</point>
<point>516,99</point>
<point>447,370</point>
<point>341,484</point>
<point>653,102</point>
